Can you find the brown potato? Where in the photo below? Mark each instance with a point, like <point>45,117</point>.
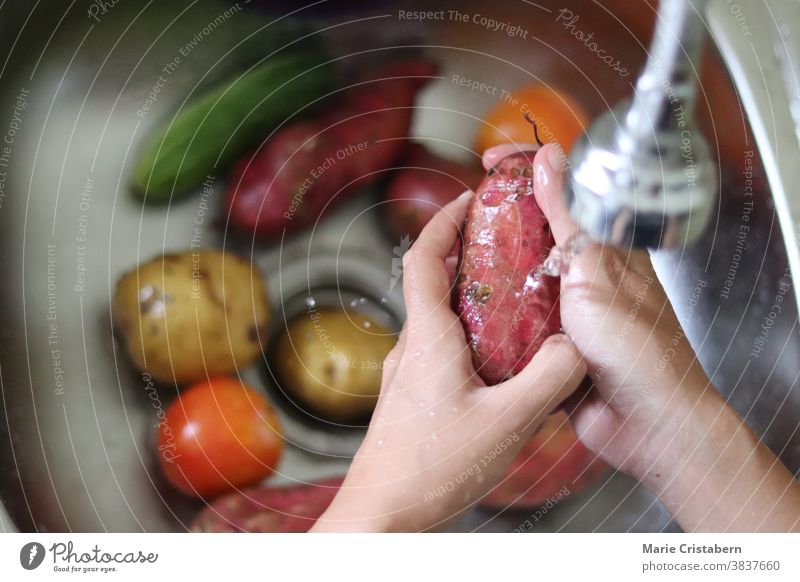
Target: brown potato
<point>190,315</point>
<point>332,360</point>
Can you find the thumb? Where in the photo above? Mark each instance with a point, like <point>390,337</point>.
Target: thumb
<point>551,376</point>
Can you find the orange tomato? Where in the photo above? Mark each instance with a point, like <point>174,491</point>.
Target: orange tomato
<point>558,119</point>
<point>219,435</point>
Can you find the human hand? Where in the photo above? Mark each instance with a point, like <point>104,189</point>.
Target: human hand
<point>644,370</point>
<point>440,438</point>
<point>652,411</point>
<point>616,312</point>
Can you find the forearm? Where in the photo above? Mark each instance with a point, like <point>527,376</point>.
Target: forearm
<point>359,507</point>
<point>714,474</point>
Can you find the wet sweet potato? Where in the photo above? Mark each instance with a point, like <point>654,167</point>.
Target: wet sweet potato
<point>421,187</point>
<point>507,307</point>
<point>309,165</point>
<point>292,509</point>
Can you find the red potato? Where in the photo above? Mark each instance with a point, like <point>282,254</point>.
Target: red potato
<point>291,509</point>
<point>552,461</point>
<point>288,182</point>
<point>421,188</point>
<point>507,307</point>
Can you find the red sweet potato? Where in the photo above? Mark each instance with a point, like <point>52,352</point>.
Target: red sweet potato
<point>292,509</point>
<point>553,464</point>
<point>419,189</point>
<point>291,179</point>
<point>507,307</point>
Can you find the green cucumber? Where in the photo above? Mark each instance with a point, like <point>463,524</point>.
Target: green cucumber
<point>216,127</point>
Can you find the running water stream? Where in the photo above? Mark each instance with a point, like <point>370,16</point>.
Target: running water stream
<point>560,258</point>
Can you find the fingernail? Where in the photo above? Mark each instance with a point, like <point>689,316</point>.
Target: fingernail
<point>555,157</point>
<point>465,194</point>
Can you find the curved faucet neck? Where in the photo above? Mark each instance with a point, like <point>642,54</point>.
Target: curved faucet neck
<point>666,89</point>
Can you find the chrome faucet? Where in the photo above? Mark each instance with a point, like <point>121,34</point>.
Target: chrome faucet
<point>642,175</point>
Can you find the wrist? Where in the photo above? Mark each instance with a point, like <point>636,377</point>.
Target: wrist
<point>716,475</point>
<point>358,508</point>
<point>702,428</point>
<point>684,436</point>
<point>347,517</point>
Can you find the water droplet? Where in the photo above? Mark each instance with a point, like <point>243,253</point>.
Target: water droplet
<point>421,403</point>
<point>367,325</point>
<point>354,303</point>
<point>380,442</point>
<point>560,258</point>
<point>311,302</point>
<point>384,301</point>
<point>431,413</point>
<point>418,353</point>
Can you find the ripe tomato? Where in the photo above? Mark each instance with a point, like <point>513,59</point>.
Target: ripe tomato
<point>218,435</point>
<point>558,118</point>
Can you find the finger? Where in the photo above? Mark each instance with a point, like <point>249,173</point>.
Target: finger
<point>426,281</point>
<point>595,417</point>
<point>497,153</point>
<point>574,400</point>
<point>550,377</point>
<point>615,267</point>
<point>638,260</point>
<point>548,187</point>
<point>439,235</point>
<point>451,264</point>
<point>548,168</point>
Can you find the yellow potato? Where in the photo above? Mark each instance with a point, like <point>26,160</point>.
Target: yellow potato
<point>185,316</point>
<point>332,360</point>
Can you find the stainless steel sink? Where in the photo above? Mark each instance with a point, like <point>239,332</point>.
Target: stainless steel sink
<point>76,421</point>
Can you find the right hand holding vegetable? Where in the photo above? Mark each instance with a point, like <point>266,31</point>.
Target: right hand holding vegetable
<point>615,310</point>
<point>653,412</point>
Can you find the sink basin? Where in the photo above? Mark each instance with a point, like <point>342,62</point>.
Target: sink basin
<point>77,422</point>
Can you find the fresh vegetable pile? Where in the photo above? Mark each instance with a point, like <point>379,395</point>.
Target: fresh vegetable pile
<point>212,130</point>
<point>197,319</point>
<point>288,182</point>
